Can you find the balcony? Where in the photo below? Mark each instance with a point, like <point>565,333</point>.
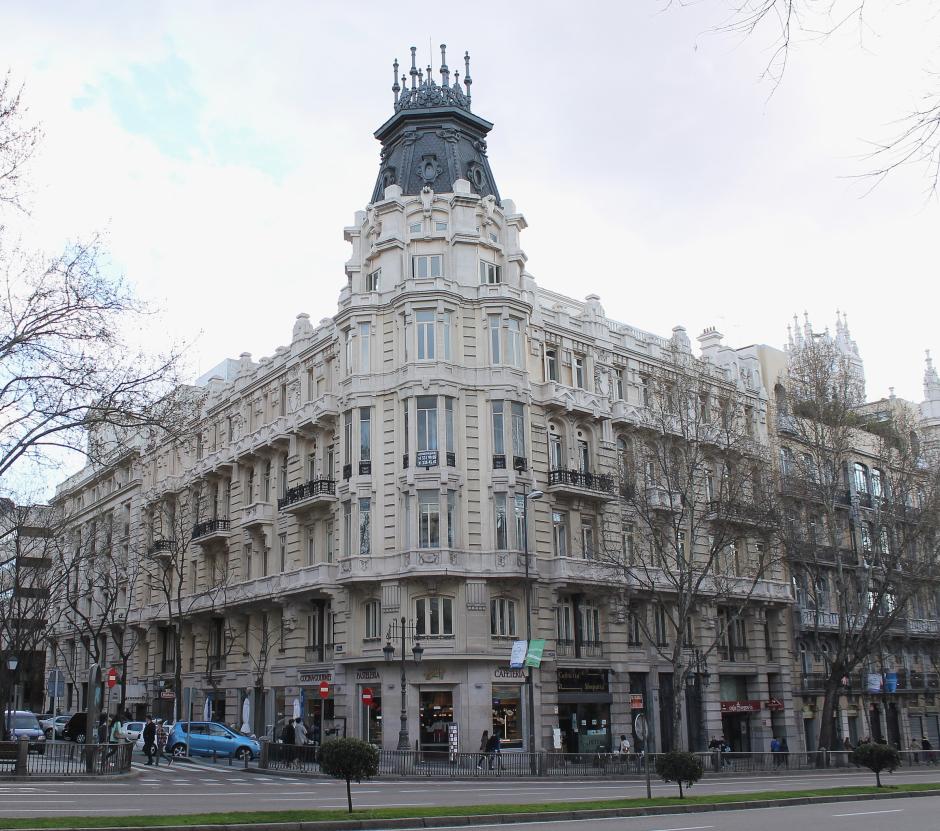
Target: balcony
<point>584,649</point>
<point>747,514</point>
<point>815,619</point>
<point>162,549</point>
<point>581,483</point>
<point>257,514</point>
<point>556,396</point>
<point>664,500</point>
<point>307,496</point>
<point>923,626</point>
<point>318,653</point>
<point>212,530</point>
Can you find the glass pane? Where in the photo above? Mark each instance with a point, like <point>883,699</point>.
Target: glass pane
<point>448,610</point>
<point>435,615</point>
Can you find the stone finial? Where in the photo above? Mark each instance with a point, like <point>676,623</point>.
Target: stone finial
<point>414,68</point>
<point>445,72</point>
<point>467,80</point>
<point>395,88</point>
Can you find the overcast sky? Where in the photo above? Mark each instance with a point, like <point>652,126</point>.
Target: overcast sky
<point>223,147</point>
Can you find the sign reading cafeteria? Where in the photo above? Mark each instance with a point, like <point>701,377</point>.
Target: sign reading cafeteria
<point>740,706</point>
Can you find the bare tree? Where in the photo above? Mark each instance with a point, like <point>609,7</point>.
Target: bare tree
<point>861,497</point>
<point>787,23</point>
<point>70,381</point>
<point>261,640</point>
<point>694,489</point>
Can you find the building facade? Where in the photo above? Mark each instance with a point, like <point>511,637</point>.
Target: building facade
<point>456,448</point>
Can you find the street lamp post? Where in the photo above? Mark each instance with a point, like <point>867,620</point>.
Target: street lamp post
<point>529,690</point>
<point>12,664</point>
<point>404,743</point>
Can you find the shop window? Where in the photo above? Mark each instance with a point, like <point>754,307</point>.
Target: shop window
<point>502,617</point>
<point>434,616</point>
<point>507,715</point>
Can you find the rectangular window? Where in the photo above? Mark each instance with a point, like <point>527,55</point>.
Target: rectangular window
<point>440,226</point>
<point>348,352</point>
<point>429,519</point>
<point>551,365</point>
<point>499,444</point>
<point>365,528</point>
<point>281,484</point>
<point>414,228</point>
<point>447,334</point>
<point>365,434</point>
<point>490,273</point>
<point>347,529</point>
<point>517,417</point>
<point>514,342</point>
<point>519,514</point>
<point>502,617</point>
<point>449,431</point>
<point>619,384</point>
<point>310,532</point>
<point>634,630</point>
<point>282,551</point>
<point>373,620</point>
<point>427,422</point>
<point>365,330</point>
<point>502,534</point>
<point>427,266</point>
<point>434,616</point>
<point>266,481</point>
<point>246,559</point>
<point>329,541</point>
<point>495,352</point>
<point>347,438</point>
<point>627,540</point>
<point>563,624</point>
<point>590,620</point>
<point>406,439</point>
<point>373,280</point>
<point>579,372</point>
<point>556,456</point>
<point>584,456</point>
<point>426,329</point>
<point>560,533</point>
<point>265,557</point>
<point>451,519</point>
<point>588,551</point>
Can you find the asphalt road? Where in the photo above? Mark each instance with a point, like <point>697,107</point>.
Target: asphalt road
<point>185,788</point>
<point>893,814</point>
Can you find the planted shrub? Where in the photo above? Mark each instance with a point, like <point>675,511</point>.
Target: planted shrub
<point>349,759</point>
<point>876,757</point>
<point>680,767</point>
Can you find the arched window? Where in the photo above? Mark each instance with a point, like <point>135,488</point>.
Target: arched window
<point>556,448</point>
<point>583,439</point>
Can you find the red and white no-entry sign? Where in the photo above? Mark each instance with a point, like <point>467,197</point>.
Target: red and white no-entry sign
<point>367,697</point>
<point>324,689</point>
<point>112,677</point>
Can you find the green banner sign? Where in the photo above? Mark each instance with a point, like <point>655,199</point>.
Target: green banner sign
<point>534,656</point>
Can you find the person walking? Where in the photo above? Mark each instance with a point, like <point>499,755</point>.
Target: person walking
<point>150,736</point>
<point>300,739</point>
<point>494,751</point>
<point>775,751</point>
<point>484,745</point>
<point>115,735</point>
<point>161,737</point>
<point>928,747</point>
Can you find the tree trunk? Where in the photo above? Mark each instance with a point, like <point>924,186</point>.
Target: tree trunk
<point>878,777</point>
<point>349,795</point>
<point>831,695</point>
<point>680,790</point>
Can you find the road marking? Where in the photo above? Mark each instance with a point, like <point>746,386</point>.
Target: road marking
<point>866,813</point>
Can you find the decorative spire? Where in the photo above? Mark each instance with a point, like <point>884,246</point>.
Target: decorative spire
<point>445,72</point>
<point>395,88</point>
<point>414,68</point>
<point>931,378</point>
<point>467,80</point>
<point>430,78</point>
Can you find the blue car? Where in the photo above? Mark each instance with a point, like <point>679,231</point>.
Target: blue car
<point>205,738</point>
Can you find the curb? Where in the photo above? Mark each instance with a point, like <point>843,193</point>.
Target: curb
<point>501,819</point>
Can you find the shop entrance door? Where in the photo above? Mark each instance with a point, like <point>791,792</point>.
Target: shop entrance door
<point>737,730</point>
<point>435,715</point>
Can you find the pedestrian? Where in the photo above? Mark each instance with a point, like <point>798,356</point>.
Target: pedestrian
<point>484,746</point>
<point>494,752</point>
<point>102,729</point>
<point>300,739</point>
<point>624,749</point>
<point>775,751</point>
<point>116,735</point>
<point>150,735</point>
<point>161,738</point>
<point>928,747</point>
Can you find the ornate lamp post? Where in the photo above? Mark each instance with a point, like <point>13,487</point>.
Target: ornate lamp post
<point>529,691</point>
<point>12,664</point>
<point>404,743</point>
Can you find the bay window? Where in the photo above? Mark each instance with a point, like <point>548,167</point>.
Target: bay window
<point>426,265</point>
<point>429,519</point>
<point>434,616</point>
<point>502,617</point>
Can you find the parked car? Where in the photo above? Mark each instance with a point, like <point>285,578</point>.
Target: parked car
<point>203,738</point>
<point>54,725</point>
<point>23,723</point>
<point>133,730</point>
<point>74,730</point>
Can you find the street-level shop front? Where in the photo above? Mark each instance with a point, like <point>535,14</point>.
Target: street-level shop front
<point>584,701</point>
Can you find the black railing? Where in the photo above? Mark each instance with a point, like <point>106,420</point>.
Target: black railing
<point>404,460</point>
<point>315,487</point>
<point>66,759</point>
<point>582,479</point>
<point>365,468</point>
<point>162,546</point>
<point>520,464</point>
<point>210,526</point>
<point>499,461</point>
<point>451,459</point>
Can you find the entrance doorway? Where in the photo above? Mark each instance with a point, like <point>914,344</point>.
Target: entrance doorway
<point>737,731</point>
<point>435,715</point>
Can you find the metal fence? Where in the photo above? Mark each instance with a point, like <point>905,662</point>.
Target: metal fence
<point>64,759</point>
<point>514,764</point>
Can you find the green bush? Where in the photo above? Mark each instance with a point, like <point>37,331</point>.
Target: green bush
<point>679,766</point>
<point>349,759</point>
<point>876,757</point>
